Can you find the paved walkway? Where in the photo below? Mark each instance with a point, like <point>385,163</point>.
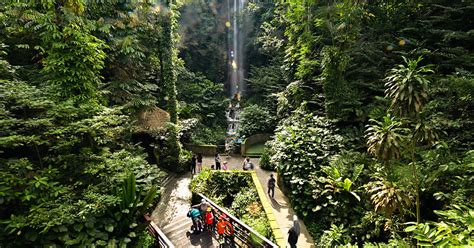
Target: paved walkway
<point>170,213</point>
<point>281,207</point>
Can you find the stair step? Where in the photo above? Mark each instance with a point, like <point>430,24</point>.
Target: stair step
<point>176,221</point>
<point>166,181</point>
<point>178,228</point>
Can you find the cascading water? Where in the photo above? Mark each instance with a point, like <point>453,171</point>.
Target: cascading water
<point>235,68</point>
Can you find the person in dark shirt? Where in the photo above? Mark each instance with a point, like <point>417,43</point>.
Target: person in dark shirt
<point>294,232</point>
<point>193,164</point>
<point>218,161</point>
<point>271,186</point>
<point>199,163</point>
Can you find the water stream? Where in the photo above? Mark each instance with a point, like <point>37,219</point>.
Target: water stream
<point>236,68</point>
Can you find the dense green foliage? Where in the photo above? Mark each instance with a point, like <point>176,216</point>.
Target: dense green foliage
<point>370,103</point>
<point>265,162</point>
<point>73,76</point>
<point>204,101</point>
<point>373,102</point>
<point>63,169</point>
<point>202,79</point>
<point>254,120</point>
<point>236,192</point>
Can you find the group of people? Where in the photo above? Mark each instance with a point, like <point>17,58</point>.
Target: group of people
<point>203,218</point>
<point>196,163</point>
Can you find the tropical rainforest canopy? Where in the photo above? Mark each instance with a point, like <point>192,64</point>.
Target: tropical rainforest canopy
<point>369,104</point>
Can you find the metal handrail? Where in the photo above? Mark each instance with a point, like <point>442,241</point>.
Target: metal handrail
<point>246,236</point>
<point>160,239</point>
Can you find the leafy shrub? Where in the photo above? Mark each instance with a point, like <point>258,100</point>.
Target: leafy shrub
<point>203,135</point>
<point>145,240</point>
<point>61,214</point>
<point>256,119</point>
<point>225,186</point>
<point>454,229</point>
<point>302,144</point>
<point>259,223</point>
<point>336,236</point>
<point>187,128</point>
<point>265,162</point>
<point>243,200</point>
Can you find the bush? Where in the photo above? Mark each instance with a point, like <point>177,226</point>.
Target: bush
<point>259,223</point>
<point>243,200</point>
<point>302,144</point>
<point>145,240</point>
<point>220,185</point>
<point>256,119</point>
<point>60,215</point>
<point>203,135</point>
<point>265,162</point>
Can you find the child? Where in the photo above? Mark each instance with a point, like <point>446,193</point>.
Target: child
<point>224,229</point>
<point>209,219</point>
<point>224,165</point>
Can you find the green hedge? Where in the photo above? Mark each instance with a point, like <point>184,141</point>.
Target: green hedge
<point>236,192</point>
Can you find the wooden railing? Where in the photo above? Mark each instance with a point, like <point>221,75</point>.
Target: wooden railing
<point>244,236</point>
<point>160,239</point>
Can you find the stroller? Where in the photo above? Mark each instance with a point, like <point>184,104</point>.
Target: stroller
<point>195,216</point>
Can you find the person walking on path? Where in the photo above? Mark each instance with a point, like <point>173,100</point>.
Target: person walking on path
<point>199,163</point>
<point>294,232</point>
<point>271,186</point>
<point>193,164</point>
<point>217,159</point>
<point>247,164</point>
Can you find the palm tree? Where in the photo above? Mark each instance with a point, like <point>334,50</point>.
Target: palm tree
<point>387,196</point>
<point>406,87</point>
<point>386,138</point>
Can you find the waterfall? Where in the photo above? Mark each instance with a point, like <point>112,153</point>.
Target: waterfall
<point>235,67</point>
<point>235,44</point>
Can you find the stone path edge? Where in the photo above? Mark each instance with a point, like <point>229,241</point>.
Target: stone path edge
<point>277,233</point>
<point>280,241</point>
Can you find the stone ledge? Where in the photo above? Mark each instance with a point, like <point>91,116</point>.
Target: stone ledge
<point>280,241</point>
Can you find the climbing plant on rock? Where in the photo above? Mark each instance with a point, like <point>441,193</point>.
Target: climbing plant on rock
<point>168,58</point>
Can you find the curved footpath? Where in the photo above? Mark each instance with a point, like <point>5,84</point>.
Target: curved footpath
<point>170,214</point>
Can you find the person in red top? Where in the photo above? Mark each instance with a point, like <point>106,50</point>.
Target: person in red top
<point>221,225</point>
<point>225,229</point>
<point>209,217</point>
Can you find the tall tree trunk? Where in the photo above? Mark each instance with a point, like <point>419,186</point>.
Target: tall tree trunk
<point>168,55</point>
